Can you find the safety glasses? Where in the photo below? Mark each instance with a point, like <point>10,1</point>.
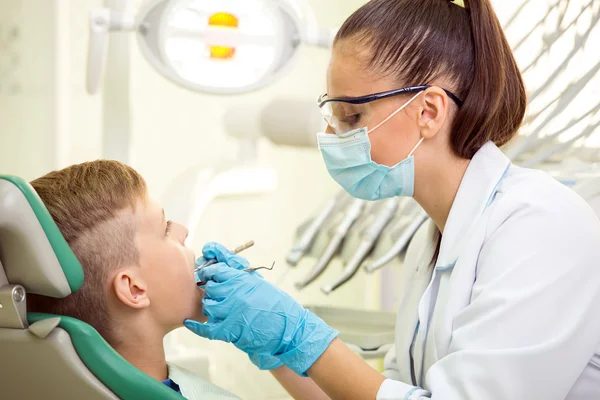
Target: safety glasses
<point>345,114</point>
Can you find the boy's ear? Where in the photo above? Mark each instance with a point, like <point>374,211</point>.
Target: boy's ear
<point>131,289</point>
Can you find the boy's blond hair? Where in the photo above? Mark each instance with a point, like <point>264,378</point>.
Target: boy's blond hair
<point>93,204</point>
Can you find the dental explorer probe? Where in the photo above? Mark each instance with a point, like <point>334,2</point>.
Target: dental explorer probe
<point>400,244</point>
<point>356,208</point>
<point>367,243</point>
<point>234,251</point>
<point>249,269</point>
<point>306,240</point>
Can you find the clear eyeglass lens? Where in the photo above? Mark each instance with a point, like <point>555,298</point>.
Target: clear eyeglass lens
<point>344,117</point>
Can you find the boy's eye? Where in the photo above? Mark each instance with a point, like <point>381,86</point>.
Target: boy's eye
<point>168,227</point>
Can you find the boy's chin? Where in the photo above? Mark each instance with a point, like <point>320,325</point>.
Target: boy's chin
<point>203,318</point>
<point>198,316</point>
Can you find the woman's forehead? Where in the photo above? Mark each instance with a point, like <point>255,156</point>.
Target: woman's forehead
<point>348,74</point>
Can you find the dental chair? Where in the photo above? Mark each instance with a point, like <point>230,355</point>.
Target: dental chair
<point>51,356</point>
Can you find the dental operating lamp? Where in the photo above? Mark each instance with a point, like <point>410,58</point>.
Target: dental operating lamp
<point>210,46</point>
<point>221,47</point>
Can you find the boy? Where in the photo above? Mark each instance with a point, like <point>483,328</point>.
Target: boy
<point>139,280</point>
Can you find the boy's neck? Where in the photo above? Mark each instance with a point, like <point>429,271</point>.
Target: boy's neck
<point>143,348</point>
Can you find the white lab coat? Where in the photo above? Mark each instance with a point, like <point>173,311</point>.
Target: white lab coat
<point>512,309</point>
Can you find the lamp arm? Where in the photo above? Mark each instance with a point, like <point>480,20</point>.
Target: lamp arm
<point>102,22</point>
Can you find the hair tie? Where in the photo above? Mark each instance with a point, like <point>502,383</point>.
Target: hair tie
<point>460,3</point>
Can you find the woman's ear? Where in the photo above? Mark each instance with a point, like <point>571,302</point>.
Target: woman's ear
<point>131,289</point>
<point>433,114</point>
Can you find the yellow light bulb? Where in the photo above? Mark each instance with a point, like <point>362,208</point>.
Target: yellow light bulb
<point>227,21</point>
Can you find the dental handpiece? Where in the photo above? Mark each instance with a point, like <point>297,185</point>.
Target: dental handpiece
<point>303,244</point>
<point>366,245</point>
<point>400,244</point>
<point>351,216</point>
<point>234,251</point>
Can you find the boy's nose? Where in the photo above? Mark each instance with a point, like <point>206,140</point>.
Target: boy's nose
<point>182,232</point>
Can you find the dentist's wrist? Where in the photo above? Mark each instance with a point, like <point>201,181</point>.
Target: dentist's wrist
<point>312,337</point>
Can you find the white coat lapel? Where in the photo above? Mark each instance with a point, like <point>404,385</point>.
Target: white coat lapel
<point>476,191</point>
<point>416,275</point>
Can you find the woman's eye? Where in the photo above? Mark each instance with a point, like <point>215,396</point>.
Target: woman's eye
<point>169,223</point>
<point>351,119</point>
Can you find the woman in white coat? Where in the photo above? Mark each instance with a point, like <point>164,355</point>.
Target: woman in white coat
<point>500,295</point>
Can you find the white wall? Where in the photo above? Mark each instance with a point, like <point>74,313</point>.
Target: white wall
<point>46,119</point>
<point>27,91</point>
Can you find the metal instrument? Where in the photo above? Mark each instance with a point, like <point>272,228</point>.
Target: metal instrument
<point>400,244</point>
<point>257,268</point>
<point>306,240</point>
<point>351,216</point>
<point>234,251</point>
<point>370,237</point>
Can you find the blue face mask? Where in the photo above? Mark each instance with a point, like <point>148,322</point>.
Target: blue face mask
<point>348,160</point>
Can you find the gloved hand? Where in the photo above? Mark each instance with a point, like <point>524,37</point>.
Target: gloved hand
<point>265,363</point>
<point>220,253</point>
<point>260,319</point>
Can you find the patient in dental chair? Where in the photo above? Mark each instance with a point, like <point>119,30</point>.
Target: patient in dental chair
<point>139,281</point>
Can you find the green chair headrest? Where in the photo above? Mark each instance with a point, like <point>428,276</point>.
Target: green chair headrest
<point>33,252</point>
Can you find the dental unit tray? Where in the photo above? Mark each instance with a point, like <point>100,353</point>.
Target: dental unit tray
<point>368,333</point>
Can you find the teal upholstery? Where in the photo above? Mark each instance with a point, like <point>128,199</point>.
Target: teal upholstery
<point>116,373</point>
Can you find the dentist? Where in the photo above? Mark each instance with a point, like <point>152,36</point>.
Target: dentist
<point>500,296</point>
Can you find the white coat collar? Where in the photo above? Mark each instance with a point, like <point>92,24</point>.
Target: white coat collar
<point>476,191</point>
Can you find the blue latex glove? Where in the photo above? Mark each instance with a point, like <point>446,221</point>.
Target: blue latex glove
<point>220,253</point>
<point>260,319</point>
<point>216,251</point>
<point>265,363</point>
<point>200,261</point>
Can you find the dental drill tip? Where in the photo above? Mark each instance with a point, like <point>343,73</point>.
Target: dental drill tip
<point>291,263</point>
<point>293,257</point>
<point>299,285</point>
<point>371,268</point>
<point>327,289</point>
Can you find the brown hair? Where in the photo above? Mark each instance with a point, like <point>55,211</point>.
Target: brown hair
<point>419,41</point>
<point>89,202</point>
